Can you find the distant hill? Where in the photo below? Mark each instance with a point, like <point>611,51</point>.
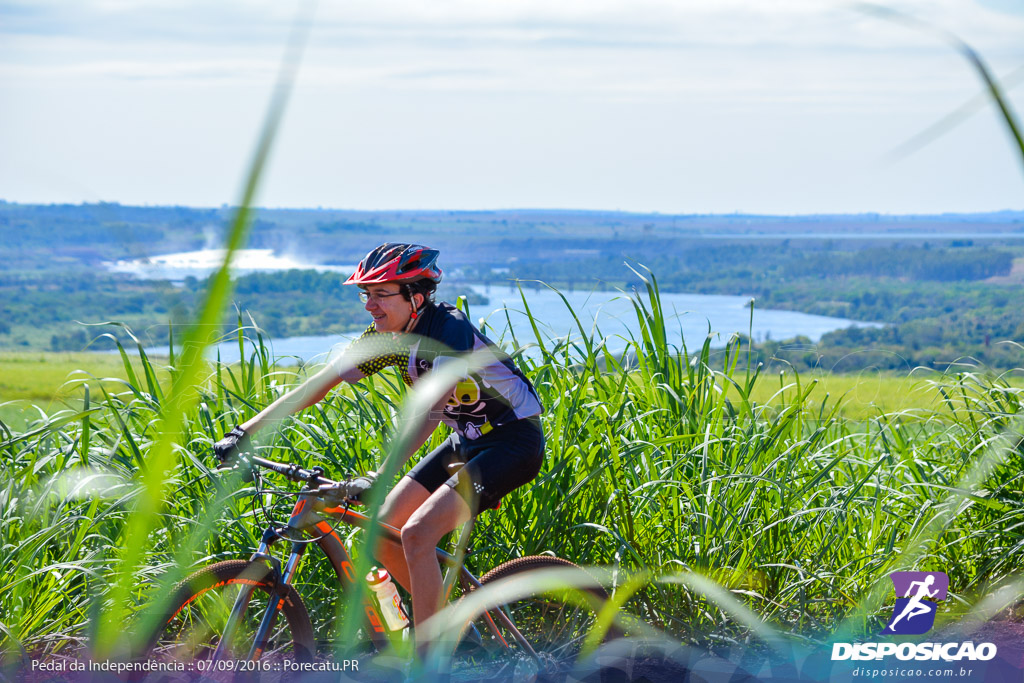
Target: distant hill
<point>40,237</point>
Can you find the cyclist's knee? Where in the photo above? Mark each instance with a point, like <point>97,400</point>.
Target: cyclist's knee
<point>415,538</point>
<point>425,527</point>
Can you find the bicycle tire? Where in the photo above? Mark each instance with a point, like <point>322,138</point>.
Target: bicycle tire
<point>192,625</point>
<point>556,627</point>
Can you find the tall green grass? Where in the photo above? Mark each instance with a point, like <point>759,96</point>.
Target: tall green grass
<point>663,464</point>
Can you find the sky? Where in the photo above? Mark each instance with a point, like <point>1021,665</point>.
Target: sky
<point>689,106</point>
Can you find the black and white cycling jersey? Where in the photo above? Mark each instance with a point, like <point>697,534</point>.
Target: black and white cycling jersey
<point>496,395</point>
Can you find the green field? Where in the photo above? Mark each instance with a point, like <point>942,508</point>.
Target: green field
<point>34,382</point>
<point>49,380</point>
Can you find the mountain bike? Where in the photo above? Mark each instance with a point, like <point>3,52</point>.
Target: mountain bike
<point>246,614</point>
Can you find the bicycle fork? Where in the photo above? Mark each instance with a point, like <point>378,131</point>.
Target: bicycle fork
<point>282,579</point>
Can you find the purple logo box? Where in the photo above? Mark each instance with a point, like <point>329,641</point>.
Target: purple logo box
<point>917,597</point>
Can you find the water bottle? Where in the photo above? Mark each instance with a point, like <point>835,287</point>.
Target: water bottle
<point>387,596</point>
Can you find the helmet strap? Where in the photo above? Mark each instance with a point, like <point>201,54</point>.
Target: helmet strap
<point>414,316</point>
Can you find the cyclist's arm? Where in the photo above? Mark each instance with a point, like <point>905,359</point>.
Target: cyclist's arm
<point>301,397</point>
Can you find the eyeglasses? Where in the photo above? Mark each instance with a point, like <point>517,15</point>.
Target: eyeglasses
<point>365,296</point>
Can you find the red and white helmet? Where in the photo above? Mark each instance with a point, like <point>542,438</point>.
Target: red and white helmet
<point>394,262</point>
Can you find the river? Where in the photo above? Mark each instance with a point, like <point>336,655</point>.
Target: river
<point>609,315</point>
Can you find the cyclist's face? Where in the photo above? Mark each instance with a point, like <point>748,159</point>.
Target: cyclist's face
<point>390,310</point>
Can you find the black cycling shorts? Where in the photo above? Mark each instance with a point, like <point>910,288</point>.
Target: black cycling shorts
<point>495,464</point>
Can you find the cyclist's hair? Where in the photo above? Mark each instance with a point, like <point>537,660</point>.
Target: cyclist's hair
<point>425,287</point>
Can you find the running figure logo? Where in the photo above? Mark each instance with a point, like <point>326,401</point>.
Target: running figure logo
<point>917,595</point>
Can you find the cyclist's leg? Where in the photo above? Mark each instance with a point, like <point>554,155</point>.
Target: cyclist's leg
<point>442,512</point>
<point>408,495</point>
<point>503,460</point>
<point>400,503</point>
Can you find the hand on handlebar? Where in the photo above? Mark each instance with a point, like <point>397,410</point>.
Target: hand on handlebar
<point>361,486</point>
<point>350,490</point>
<point>228,448</point>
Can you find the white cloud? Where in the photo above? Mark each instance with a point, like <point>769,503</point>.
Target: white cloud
<point>454,102</point>
<point>599,22</point>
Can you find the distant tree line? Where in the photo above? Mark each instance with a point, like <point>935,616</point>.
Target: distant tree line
<point>743,267</point>
<point>915,263</point>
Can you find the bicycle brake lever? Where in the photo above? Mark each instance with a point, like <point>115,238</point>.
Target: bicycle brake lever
<point>333,494</point>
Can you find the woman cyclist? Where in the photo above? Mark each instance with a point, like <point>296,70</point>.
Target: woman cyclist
<point>493,414</point>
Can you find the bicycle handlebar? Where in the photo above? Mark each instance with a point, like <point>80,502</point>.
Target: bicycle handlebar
<point>313,477</point>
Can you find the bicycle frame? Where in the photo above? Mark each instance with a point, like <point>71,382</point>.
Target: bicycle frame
<point>308,520</point>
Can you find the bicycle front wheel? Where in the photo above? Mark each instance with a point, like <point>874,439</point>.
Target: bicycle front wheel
<point>555,623</point>
<point>200,607</point>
